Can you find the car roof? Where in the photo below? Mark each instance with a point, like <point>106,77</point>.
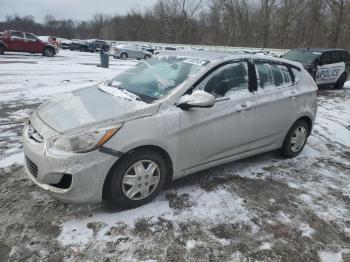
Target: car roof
<point>320,50</point>
<point>217,56</point>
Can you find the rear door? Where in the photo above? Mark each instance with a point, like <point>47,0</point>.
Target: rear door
<point>17,41</point>
<point>224,130</point>
<point>276,104</point>
<point>331,68</point>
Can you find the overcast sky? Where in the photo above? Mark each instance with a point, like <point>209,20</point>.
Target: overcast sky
<point>75,9</point>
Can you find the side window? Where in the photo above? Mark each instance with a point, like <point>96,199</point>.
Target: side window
<point>30,37</point>
<point>272,75</point>
<point>17,35</point>
<point>296,74</point>
<point>336,57</point>
<point>345,56</point>
<point>287,79</point>
<point>226,80</point>
<point>264,74</point>
<point>326,58</point>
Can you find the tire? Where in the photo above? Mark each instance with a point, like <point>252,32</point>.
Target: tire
<point>147,56</point>
<point>293,143</point>
<point>341,81</point>
<point>123,175</point>
<point>49,52</point>
<point>2,50</point>
<point>124,56</point>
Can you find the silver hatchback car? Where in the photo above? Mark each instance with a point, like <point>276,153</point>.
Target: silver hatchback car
<point>167,117</point>
<point>129,51</point>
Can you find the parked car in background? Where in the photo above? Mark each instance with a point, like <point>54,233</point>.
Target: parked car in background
<point>327,66</point>
<point>152,50</point>
<point>16,41</point>
<point>95,45</point>
<point>79,45</point>
<point>177,114</point>
<point>65,45</point>
<point>169,48</point>
<point>129,51</point>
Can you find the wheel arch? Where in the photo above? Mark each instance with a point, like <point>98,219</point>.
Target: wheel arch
<point>309,122</point>
<point>3,45</point>
<point>155,148</point>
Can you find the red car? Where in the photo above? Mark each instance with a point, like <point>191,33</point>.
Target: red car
<point>15,41</point>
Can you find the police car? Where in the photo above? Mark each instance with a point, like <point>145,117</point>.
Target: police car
<point>326,66</point>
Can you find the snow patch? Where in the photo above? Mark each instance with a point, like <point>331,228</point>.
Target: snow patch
<point>327,256</point>
<point>12,160</point>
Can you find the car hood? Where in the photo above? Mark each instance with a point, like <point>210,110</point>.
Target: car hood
<point>92,106</point>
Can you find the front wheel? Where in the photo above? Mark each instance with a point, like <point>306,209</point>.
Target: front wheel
<point>341,81</point>
<point>147,56</point>
<point>296,139</point>
<point>136,179</point>
<point>124,56</point>
<point>48,51</point>
<point>2,50</point>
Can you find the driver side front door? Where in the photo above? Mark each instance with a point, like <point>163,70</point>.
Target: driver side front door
<point>211,136</point>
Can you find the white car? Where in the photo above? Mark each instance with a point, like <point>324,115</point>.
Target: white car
<point>129,51</point>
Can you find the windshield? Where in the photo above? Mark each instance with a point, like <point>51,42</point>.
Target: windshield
<point>304,56</point>
<point>157,76</point>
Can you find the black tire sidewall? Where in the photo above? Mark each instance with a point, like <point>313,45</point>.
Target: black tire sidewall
<point>115,193</point>
<point>124,56</point>
<point>341,81</point>
<point>2,50</point>
<point>52,52</point>
<point>286,148</point>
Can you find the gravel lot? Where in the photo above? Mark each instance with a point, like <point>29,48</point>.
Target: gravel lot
<point>261,208</point>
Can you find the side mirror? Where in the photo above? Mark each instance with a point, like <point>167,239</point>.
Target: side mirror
<point>198,98</point>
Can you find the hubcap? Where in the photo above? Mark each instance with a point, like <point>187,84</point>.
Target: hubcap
<point>48,52</point>
<point>141,179</point>
<point>298,139</point>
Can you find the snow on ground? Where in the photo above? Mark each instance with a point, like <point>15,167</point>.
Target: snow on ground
<point>260,208</point>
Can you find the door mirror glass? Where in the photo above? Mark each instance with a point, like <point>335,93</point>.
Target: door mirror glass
<point>198,98</point>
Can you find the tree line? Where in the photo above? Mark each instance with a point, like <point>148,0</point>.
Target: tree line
<point>253,23</point>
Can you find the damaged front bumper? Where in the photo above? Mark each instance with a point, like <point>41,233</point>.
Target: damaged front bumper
<point>74,178</point>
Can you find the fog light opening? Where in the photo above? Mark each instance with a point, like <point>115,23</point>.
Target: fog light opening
<point>64,183</point>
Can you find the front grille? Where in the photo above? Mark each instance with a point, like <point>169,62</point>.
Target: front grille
<point>33,168</point>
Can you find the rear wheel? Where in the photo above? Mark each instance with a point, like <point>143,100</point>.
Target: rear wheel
<point>49,51</point>
<point>296,139</point>
<point>341,81</point>
<point>124,56</point>
<point>136,179</point>
<point>2,50</point>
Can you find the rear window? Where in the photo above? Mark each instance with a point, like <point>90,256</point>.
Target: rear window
<point>17,35</point>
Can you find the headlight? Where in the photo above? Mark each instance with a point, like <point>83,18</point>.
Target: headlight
<point>79,142</point>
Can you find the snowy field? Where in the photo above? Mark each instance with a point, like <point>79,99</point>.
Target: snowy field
<point>257,209</point>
